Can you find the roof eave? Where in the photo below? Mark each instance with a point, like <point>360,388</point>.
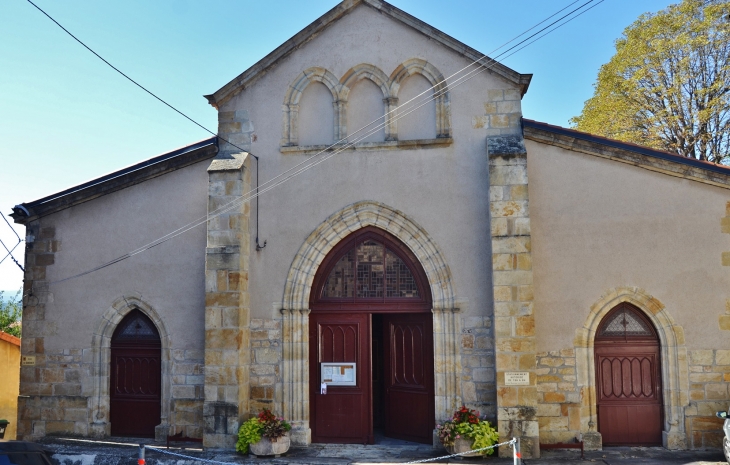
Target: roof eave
<point>643,157</point>
<point>116,181</point>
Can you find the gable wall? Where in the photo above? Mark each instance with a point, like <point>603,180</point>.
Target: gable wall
<point>424,183</point>
<point>436,187</point>
<point>599,224</point>
<point>605,232</point>
<point>64,324</point>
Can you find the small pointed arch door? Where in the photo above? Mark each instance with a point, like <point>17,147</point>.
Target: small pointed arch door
<point>628,379</point>
<point>371,306</point>
<point>135,398</point>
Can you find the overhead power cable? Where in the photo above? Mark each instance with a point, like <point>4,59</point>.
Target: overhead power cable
<point>312,161</point>
<point>10,251</point>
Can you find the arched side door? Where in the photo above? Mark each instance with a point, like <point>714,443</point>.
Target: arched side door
<point>628,384</point>
<point>371,275</point>
<point>135,400</point>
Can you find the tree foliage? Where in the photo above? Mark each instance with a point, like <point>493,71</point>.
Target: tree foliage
<point>11,311</point>
<point>668,85</point>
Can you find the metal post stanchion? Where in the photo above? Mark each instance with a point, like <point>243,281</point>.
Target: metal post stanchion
<point>140,460</point>
<point>517,452</point>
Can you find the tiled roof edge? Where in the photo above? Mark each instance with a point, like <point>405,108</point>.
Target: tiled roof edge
<point>118,180</point>
<point>10,338</point>
<point>654,160</point>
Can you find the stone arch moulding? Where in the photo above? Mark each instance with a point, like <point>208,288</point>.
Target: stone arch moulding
<point>674,365</point>
<point>101,359</point>
<point>294,93</point>
<point>295,307</point>
<point>440,91</point>
<point>389,86</point>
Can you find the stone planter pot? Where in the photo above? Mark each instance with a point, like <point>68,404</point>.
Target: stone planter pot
<point>462,445</point>
<point>266,446</point>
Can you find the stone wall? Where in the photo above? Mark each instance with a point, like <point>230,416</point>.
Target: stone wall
<point>187,382</point>
<point>708,391</point>
<point>265,380</point>
<point>72,397</point>
<point>42,378</point>
<point>560,413</point>
<point>479,390</point>
<point>235,132</point>
<point>502,112</point>
<point>227,301</point>
<point>514,319</point>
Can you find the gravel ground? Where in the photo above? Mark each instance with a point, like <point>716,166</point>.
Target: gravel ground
<point>125,452</point>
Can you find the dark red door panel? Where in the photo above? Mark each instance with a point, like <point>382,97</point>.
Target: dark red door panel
<point>135,374</point>
<point>409,396</point>
<point>135,391</point>
<point>629,394</point>
<point>343,414</point>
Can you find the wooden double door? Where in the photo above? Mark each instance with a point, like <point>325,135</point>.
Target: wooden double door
<point>393,355</point>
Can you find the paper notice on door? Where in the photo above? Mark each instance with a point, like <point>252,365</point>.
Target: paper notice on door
<point>339,374</point>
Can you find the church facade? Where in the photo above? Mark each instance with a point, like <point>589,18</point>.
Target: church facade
<point>564,285</point>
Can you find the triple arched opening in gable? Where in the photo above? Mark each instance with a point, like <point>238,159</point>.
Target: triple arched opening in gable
<point>371,269</point>
<point>366,105</point>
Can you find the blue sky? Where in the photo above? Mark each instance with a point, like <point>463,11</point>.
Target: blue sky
<point>65,117</point>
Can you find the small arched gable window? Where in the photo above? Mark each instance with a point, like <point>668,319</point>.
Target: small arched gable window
<point>371,268</point>
<point>418,118</point>
<point>316,115</point>
<point>136,327</point>
<point>625,321</point>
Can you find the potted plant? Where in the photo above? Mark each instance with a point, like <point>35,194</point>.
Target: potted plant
<point>465,432</point>
<point>264,434</point>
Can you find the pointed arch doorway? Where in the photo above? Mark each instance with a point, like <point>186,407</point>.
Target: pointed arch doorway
<point>371,342</point>
<point>628,379</point>
<point>135,377</point>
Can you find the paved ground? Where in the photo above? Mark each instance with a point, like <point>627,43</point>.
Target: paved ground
<point>124,452</point>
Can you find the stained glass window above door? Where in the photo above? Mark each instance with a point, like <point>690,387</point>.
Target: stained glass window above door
<point>370,270</point>
<point>625,321</point>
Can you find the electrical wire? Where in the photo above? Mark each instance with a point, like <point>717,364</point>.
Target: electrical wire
<point>10,251</point>
<point>400,107</point>
<point>135,82</point>
<point>311,162</point>
<point>238,202</point>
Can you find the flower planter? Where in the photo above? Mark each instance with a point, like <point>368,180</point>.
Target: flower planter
<point>266,446</point>
<point>462,445</point>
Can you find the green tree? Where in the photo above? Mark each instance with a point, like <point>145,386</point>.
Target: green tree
<point>668,85</point>
<point>11,311</point>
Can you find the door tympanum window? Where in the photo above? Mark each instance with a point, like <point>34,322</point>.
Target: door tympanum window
<point>628,379</point>
<point>371,276</point>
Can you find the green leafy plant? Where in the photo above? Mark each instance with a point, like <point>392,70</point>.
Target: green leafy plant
<point>465,423</point>
<point>265,424</point>
<point>10,314</point>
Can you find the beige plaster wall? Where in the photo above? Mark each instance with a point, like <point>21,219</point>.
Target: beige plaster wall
<point>599,224</point>
<point>170,277</point>
<point>67,326</point>
<point>9,385</point>
<point>437,187</point>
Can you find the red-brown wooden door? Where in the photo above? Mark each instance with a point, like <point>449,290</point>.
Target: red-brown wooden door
<point>342,415</point>
<point>628,380</point>
<point>370,273</point>
<point>409,396</point>
<point>135,377</point>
